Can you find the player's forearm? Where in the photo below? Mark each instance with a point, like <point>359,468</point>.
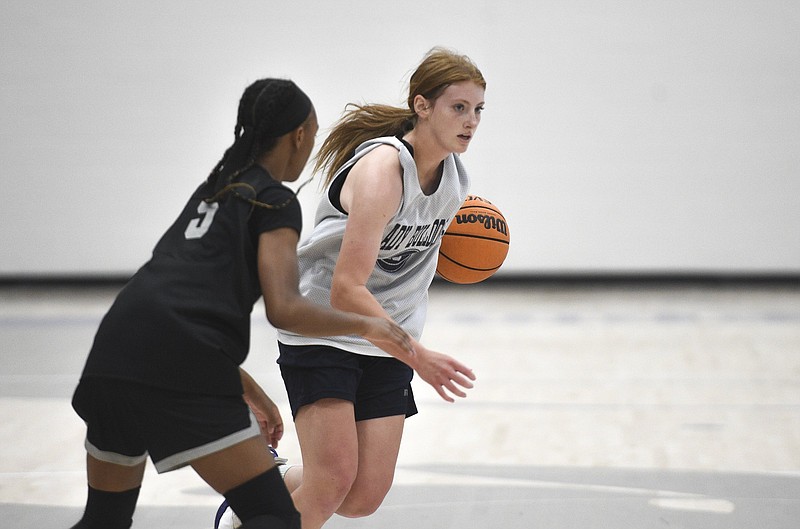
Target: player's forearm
<point>358,299</point>
<point>310,319</point>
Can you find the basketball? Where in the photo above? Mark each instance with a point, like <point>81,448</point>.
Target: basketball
<point>475,244</point>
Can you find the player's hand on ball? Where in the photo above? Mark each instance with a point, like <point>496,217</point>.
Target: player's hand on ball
<point>447,375</point>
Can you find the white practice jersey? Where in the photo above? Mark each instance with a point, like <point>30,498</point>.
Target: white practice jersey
<point>407,257</point>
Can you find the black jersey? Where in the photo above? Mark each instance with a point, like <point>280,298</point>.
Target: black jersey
<point>183,320</point>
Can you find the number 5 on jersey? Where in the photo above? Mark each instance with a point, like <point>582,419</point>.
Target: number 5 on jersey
<point>199,226</point>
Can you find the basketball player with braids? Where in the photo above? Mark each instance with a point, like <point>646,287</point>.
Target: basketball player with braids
<point>394,182</point>
<point>163,379</point>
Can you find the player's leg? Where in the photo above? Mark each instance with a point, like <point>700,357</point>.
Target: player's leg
<point>220,438</point>
<point>246,475</point>
<point>378,447</point>
<point>325,387</point>
<point>225,518</point>
<point>115,459</point>
<point>328,440</point>
<point>112,477</point>
<point>226,469</point>
<point>292,476</point>
<point>112,494</point>
<point>383,402</point>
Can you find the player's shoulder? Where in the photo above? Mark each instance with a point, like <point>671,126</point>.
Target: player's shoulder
<point>384,151</point>
<point>381,159</point>
<point>377,175</point>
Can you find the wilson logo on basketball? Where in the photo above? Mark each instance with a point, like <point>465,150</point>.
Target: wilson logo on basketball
<point>490,222</point>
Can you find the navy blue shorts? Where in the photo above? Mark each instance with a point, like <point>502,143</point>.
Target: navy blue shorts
<point>126,422</point>
<point>377,386</point>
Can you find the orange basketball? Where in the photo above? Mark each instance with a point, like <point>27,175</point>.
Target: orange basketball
<point>475,244</point>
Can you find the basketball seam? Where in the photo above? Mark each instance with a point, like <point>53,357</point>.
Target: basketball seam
<point>468,267</point>
<point>471,206</point>
<point>472,236</point>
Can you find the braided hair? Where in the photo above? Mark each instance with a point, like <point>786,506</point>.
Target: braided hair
<point>268,109</point>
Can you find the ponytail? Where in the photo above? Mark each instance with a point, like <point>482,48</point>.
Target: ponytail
<point>359,124</point>
<point>439,69</point>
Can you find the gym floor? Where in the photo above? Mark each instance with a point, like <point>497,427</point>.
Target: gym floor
<point>619,405</point>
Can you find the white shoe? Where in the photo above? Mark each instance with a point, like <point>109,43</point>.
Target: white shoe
<point>227,519</point>
<point>278,459</point>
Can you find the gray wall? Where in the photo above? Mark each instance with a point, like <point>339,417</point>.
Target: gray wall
<point>619,136</point>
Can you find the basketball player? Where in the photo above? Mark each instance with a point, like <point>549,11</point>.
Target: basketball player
<point>374,251</point>
<point>163,377</point>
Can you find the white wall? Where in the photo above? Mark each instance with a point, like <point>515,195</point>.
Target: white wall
<point>619,136</point>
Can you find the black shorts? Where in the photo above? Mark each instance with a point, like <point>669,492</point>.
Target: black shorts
<point>126,422</point>
<point>377,386</point>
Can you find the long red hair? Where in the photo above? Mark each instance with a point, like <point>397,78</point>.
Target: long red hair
<point>439,69</point>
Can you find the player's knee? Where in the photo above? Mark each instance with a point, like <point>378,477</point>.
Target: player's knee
<point>361,504</point>
<point>357,510</point>
<point>331,497</point>
<point>333,487</point>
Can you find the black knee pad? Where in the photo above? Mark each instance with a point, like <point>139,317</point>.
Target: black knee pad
<point>264,500</point>
<point>108,510</point>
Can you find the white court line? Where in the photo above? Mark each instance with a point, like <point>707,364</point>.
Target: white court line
<point>664,499</point>
<point>694,504</point>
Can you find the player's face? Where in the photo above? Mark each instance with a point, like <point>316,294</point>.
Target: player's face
<point>457,114</point>
<point>303,153</point>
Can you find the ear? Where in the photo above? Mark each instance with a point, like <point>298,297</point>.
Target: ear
<point>298,135</point>
<point>422,106</point>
